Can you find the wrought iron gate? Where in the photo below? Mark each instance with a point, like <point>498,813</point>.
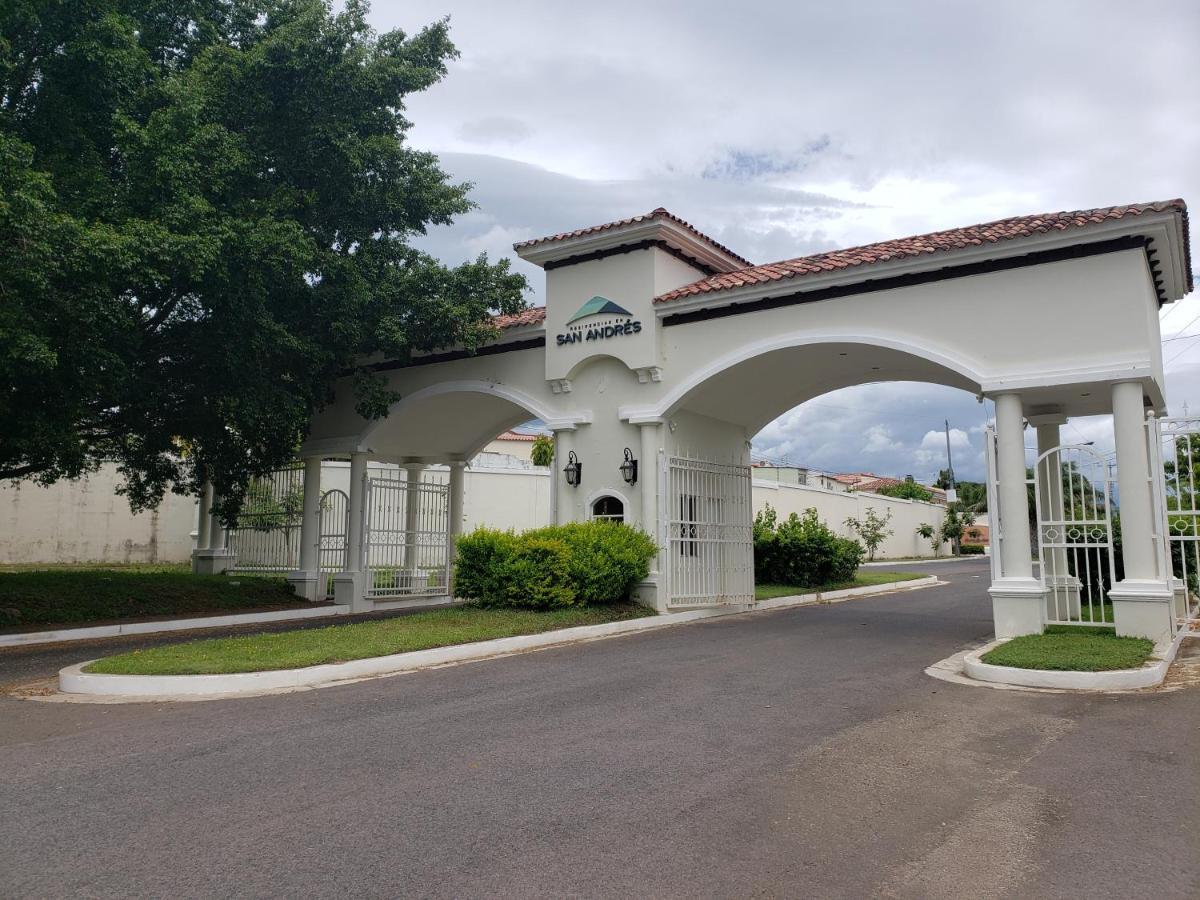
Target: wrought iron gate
<point>406,539</point>
<point>1175,458</point>
<point>266,537</point>
<point>707,510</point>
<point>331,538</point>
<point>1072,500</point>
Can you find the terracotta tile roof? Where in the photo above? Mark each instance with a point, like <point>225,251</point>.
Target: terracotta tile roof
<point>517,436</point>
<point>658,213</point>
<point>534,315</point>
<point>925,245</point>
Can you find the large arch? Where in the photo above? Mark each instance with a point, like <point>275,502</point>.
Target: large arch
<point>754,383</point>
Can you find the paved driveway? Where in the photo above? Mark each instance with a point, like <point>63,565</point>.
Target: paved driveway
<point>794,753</point>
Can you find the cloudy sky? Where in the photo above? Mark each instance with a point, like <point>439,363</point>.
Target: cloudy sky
<point>787,128</point>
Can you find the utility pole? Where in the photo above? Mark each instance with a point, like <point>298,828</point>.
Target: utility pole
<point>950,492</point>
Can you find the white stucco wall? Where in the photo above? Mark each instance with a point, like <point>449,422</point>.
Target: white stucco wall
<point>88,521</point>
<point>834,507</point>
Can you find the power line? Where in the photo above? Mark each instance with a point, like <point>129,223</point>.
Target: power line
<point>1181,352</point>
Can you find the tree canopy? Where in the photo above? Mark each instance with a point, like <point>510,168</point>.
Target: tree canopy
<point>206,216</point>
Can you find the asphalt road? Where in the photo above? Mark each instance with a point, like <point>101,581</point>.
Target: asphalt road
<point>797,753</point>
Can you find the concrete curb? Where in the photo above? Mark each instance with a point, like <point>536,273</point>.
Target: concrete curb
<point>73,680</point>
<point>970,669</point>
<point>88,633</point>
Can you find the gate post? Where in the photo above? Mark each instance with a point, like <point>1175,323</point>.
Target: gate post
<point>454,514</point>
<point>214,559</point>
<point>1018,599</point>
<point>1142,599</point>
<point>649,591</point>
<point>203,524</point>
<point>349,586</point>
<point>305,581</point>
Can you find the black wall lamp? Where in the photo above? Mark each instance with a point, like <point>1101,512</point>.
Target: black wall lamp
<point>573,469</point>
<point>629,467</point>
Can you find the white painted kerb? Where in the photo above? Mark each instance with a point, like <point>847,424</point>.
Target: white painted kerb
<point>1149,675</point>
<point>73,680</point>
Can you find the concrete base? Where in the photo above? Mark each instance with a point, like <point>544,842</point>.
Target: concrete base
<point>306,584</point>
<point>212,562</point>
<point>1018,606</point>
<point>1143,609</point>
<point>1179,594</point>
<point>647,593</point>
<point>349,589</point>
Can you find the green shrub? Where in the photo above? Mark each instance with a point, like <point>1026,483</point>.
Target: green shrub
<point>802,551</point>
<point>607,558</point>
<point>479,561</point>
<point>551,568</point>
<point>971,549</point>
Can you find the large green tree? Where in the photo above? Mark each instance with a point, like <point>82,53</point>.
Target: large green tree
<point>206,215</point>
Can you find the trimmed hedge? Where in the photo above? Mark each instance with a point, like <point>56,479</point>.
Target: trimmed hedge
<point>802,550</point>
<point>970,549</point>
<point>578,564</point>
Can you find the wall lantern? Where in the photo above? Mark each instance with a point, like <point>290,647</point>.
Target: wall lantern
<point>573,469</point>
<point>629,467</point>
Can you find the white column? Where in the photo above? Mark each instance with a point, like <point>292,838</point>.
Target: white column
<point>412,516</point>
<point>306,580</point>
<point>1018,600</point>
<point>455,513</point>
<point>565,499</point>
<point>214,558</point>
<point>204,519</point>
<point>349,585</point>
<point>1142,599</point>
<point>650,433</point>
<point>1062,589</point>
<point>648,478</point>
<point>457,485</point>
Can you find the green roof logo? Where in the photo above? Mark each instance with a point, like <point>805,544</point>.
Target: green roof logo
<point>598,306</point>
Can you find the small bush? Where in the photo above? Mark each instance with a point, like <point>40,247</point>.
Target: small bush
<point>971,550</point>
<point>607,558</point>
<point>802,550</point>
<point>581,563</point>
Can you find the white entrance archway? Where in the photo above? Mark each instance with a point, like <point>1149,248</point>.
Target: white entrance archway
<point>656,337</point>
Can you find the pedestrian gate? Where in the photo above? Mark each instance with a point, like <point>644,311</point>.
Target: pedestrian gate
<point>1073,506</point>
<point>1175,451</point>
<point>707,511</point>
<point>406,539</point>
<point>266,536</point>
<point>331,538</point>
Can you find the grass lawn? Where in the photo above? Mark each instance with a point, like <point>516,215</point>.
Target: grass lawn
<point>339,643</point>
<point>1072,648</point>
<point>861,579</point>
<point>39,597</point>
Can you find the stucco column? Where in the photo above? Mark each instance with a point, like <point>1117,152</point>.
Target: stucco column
<point>306,580</point>
<point>564,497</point>
<point>1142,599</point>
<point>204,517</point>
<point>1062,588</point>
<point>650,433</point>
<point>1018,599</point>
<point>215,558</point>
<point>457,492</point>
<point>412,516</point>
<point>349,585</point>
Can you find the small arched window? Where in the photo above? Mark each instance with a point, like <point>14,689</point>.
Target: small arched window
<point>610,508</point>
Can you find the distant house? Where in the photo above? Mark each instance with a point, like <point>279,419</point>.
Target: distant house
<point>872,484</point>
<point>764,470</point>
<point>512,449</point>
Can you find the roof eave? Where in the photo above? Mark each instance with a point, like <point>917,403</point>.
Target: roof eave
<point>1165,230</point>
<point>658,229</point>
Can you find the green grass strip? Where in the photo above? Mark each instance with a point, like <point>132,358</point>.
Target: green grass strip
<point>340,643</point>
<point>861,579</point>
<point>77,596</point>
<point>1067,648</point>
